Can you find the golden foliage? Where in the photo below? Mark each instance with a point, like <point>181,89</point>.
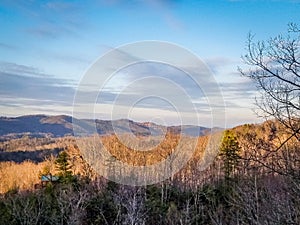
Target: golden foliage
<point>20,176</point>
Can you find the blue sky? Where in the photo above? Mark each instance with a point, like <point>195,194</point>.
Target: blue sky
<point>47,46</point>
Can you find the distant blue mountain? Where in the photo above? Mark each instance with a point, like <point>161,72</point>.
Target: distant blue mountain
<point>62,125</point>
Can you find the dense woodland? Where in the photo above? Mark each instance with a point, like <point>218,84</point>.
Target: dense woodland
<point>250,182</point>
<point>254,179</point>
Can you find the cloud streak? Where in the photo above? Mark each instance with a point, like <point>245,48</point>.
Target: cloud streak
<point>141,87</point>
<point>7,46</point>
<point>28,86</point>
<point>50,19</point>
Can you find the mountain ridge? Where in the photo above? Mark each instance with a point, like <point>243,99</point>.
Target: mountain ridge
<point>62,125</point>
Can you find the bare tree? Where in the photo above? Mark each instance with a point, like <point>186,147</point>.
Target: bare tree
<point>72,205</point>
<point>26,208</point>
<point>275,69</point>
<point>132,200</point>
<point>265,201</point>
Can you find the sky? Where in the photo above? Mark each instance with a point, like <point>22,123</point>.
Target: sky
<point>47,48</point>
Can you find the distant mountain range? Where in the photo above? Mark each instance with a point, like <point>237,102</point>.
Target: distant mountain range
<point>62,125</point>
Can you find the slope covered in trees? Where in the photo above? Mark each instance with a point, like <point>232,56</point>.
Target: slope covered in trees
<point>252,181</point>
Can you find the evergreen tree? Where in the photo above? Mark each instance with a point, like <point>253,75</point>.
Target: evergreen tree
<point>229,153</point>
<point>63,166</point>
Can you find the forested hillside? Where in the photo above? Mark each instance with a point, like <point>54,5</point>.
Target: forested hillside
<point>251,181</point>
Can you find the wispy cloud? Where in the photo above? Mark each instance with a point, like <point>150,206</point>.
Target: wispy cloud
<point>62,6</point>
<point>20,83</point>
<point>50,19</point>
<point>13,68</point>
<point>8,46</point>
<point>150,86</point>
<point>154,85</point>
<point>47,30</point>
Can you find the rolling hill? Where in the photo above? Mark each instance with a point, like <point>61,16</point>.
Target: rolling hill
<point>62,125</point>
